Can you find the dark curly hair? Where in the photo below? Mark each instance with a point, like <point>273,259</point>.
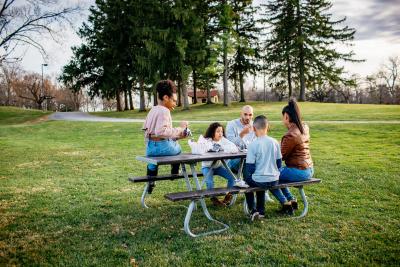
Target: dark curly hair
<point>165,87</point>
<point>210,132</point>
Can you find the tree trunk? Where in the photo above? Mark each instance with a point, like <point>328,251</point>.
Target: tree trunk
<point>289,69</point>
<point>194,87</point>
<point>241,87</point>
<point>208,91</point>
<point>179,92</point>
<point>301,55</point>
<point>118,97</point>
<point>185,95</point>
<point>126,100</point>
<point>142,100</point>
<point>130,98</point>
<point>225,75</point>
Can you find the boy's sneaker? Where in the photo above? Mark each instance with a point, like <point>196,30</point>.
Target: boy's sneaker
<point>254,215</point>
<point>261,215</point>
<point>287,209</point>
<point>241,184</point>
<point>295,206</point>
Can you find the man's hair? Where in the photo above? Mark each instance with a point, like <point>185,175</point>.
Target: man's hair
<point>260,122</point>
<point>165,87</point>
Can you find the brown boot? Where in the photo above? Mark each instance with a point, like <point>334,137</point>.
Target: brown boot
<point>227,199</point>
<point>216,202</point>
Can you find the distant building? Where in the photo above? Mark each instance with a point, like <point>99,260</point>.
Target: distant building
<point>202,96</point>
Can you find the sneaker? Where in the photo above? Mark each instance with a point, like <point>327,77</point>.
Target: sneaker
<point>216,202</point>
<point>286,209</point>
<point>295,206</point>
<point>261,215</point>
<point>227,199</point>
<point>254,215</point>
<point>241,184</point>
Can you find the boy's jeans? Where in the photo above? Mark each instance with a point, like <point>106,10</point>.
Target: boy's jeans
<point>161,148</point>
<point>293,175</point>
<point>260,194</point>
<point>221,171</point>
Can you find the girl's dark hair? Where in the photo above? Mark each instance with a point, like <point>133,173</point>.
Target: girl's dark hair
<point>210,132</point>
<point>293,111</point>
<point>165,87</point>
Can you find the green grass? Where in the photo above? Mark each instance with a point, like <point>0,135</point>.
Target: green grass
<point>310,111</point>
<point>65,200</point>
<point>12,115</point>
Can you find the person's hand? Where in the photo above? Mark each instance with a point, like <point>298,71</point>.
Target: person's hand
<point>246,130</point>
<point>184,124</point>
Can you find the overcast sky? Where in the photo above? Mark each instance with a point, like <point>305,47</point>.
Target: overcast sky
<point>377,23</point>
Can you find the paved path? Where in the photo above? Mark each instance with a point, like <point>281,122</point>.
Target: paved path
<point>83,116</point>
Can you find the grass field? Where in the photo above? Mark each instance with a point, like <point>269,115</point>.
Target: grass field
<point>310,111</point>
<point>65,200</point>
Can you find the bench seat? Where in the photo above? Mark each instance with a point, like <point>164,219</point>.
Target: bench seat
<point>199,194</point>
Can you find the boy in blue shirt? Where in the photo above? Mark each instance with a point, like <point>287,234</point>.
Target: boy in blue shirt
<point>263,161</point>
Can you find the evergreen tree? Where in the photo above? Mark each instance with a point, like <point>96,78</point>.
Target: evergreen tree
<point>302,43</point>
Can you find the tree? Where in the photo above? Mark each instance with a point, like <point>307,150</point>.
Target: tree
<point>309,41</point>
<point>389,74</point>
<point>245,33</point>
<point>24,23</point>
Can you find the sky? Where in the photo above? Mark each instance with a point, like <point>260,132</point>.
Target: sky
<point>377,24</point>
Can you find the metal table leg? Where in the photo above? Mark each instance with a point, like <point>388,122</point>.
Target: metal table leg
<point>144,194</point>
<point>205,211</point>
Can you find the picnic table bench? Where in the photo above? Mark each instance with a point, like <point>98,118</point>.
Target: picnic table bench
<point>197,194</point>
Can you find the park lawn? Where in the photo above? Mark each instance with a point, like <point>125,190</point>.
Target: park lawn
<point>13,115</point>
<point>65,200</point>
<point>310,111</point>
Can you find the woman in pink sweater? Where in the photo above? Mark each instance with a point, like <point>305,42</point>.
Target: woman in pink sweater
<point>160,137</point>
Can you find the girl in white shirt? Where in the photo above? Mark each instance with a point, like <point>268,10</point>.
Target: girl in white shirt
<point>215,135</point>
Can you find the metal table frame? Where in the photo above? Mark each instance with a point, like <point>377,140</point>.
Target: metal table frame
<point>192,161</point>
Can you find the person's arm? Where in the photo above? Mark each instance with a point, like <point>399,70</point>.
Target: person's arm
<point>279,163</point>
<point>231,134</point>
<point>249,170</point>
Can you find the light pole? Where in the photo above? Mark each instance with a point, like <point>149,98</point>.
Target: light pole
<point>42,89</point>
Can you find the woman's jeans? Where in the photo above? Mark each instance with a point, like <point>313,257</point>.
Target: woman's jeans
<point>161,148</point>
<point>221,171</point>
<point>292,175</point>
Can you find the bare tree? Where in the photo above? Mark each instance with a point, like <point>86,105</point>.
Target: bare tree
<point>390,75</point>
<point>9,73</point>
<point>23,23</point>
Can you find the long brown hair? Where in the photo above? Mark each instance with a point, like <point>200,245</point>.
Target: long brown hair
<point>293,111</point>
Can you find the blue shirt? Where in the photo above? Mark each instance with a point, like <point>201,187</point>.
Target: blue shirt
<point>264,151</point>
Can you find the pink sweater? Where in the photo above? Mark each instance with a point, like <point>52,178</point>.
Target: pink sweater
<point>158,123</point>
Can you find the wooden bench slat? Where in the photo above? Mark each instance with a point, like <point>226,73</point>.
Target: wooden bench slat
<point>198,194</point>
<point>141,179</point>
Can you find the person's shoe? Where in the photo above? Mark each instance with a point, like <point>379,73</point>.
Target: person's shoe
<point>241,184</point>
<point>286,209</point>
<point>151,186</point>
<point>216,202</point>
<point>295,206</point>
<point>227,199</point>
<point>254,215</point>
<point>261,215</point>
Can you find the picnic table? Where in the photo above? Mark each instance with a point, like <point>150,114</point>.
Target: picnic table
<point>197,194</point>
<point>191,160</point>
